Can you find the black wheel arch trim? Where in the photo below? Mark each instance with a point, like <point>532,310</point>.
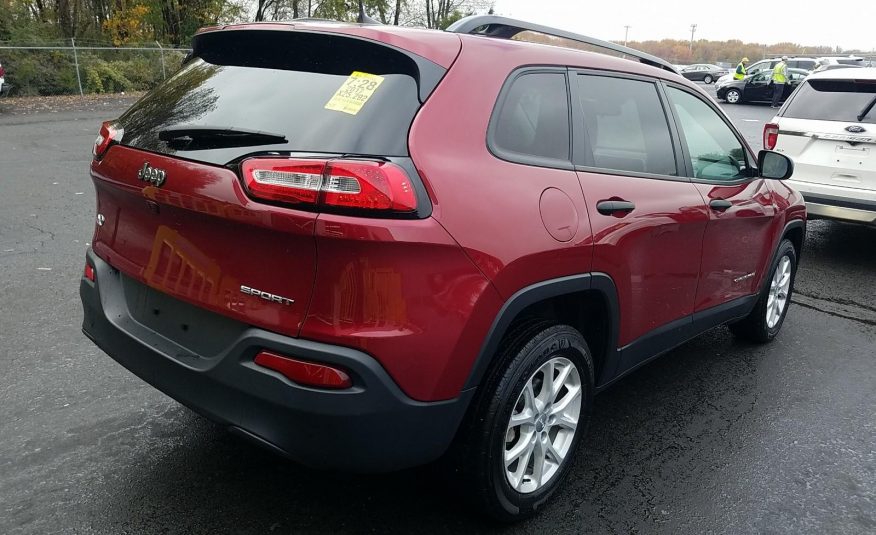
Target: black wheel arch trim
<point>789,226</point>
<point>541,291</point>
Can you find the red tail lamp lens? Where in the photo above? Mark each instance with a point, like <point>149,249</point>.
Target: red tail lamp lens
<point>355,184</point>
<point>770,136</point>
<point>89,272</point>
<point>305,373</point>
<point>108,134</point>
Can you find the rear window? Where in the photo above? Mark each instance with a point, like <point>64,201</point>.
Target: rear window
<point>834,100</point>
<point>851,61</point>
<point>533,119</point>
<point>322,93</point>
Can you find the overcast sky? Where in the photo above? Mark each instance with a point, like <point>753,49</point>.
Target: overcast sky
<point>849,25</point>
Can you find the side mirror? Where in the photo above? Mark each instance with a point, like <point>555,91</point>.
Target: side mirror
<point>773,165</point>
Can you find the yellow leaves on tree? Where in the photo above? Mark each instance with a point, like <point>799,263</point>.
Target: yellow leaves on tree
<point>127,25</point>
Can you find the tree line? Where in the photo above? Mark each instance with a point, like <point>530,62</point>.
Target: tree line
<point>175,21</point>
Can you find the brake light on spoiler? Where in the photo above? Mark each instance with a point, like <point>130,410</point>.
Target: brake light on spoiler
<point>352,184</point>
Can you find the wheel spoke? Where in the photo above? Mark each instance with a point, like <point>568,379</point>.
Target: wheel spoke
<point>524,445</point>
<point>545,395</point>
<point>567,422</point>
<point>557,384</point>
<point>520,471</point>
<point>538,458</point>
<point>552,451</point>
<point>529,397</point>
<point>526,416</point>
<point>571,395</point>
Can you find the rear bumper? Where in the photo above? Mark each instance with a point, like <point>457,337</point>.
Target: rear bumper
<point>834,202</point>
<point>839,213</point>
<point>371,427</point>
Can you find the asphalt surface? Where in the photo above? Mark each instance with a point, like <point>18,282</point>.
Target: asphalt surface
<point>717,436</point>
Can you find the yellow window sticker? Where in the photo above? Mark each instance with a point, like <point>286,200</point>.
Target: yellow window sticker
<point>354,92</point>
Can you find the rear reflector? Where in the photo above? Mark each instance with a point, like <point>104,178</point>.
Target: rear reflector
<point>89,272</point>
<point>305,373</point>
<point>352,184</point>
<point>770,136</point>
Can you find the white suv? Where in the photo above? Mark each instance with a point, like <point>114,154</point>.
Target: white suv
<point>828,128</point>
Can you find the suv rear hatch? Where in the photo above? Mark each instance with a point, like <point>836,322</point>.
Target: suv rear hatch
<point>173,210</point>
<point>829,129</point>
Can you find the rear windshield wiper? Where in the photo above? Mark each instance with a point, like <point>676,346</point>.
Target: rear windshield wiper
<point>212,137</point>
<point>867,110</point>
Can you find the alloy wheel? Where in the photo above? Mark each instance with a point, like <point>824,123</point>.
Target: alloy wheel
<point>542,426</point>
<point>779,289</point>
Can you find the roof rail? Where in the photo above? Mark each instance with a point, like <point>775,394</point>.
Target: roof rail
<point>506,28</point>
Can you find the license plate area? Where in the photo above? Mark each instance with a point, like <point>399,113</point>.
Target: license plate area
<point>202,333</point>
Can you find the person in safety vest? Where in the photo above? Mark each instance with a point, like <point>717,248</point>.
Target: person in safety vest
<point>740,70</point>
<point>780,78</point>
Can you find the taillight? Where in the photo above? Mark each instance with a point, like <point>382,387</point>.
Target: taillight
<point>109,133</point>
<point>770,136</point>
<point>352,184</point>
<point>305,373</point>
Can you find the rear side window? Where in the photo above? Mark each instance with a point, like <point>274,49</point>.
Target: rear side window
<point>626,126</point>
<point>532,120</point>
<point>834,100</point>
<point>850,61</point>
<point>802,64</point>
<point>284,84</point>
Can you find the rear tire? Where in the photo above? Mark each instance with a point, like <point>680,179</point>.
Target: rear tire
<point>517,415</point>
<point>765,321</point>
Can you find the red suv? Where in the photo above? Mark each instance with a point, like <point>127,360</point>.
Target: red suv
<point>371,247</point>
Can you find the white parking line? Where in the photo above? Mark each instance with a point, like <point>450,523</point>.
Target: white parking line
<point>751,120</point>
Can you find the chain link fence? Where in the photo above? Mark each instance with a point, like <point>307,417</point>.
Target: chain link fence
<point>85,67</point>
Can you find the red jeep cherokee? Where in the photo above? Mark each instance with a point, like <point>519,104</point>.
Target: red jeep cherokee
<point>369,247</point>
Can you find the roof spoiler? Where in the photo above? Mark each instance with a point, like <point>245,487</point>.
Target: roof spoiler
<point>506,28</point>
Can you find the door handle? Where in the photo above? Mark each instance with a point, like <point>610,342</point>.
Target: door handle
<point>613,207</point>
<point>720,204</point>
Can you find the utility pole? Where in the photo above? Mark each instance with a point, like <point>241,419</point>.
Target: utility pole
<point>693,30</point>
<point>626,34</point>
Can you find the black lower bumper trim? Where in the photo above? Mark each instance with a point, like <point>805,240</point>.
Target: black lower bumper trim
<point>371,427</point>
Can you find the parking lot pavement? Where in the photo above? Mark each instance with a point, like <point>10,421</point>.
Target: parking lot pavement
<point>715,436</point>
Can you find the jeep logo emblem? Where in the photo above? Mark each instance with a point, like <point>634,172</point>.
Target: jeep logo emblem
<point>152,175</point>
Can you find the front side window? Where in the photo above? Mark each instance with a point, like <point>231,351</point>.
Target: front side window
<point>533,118</point>
<point>626,126</point>
<point>715,152</point>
